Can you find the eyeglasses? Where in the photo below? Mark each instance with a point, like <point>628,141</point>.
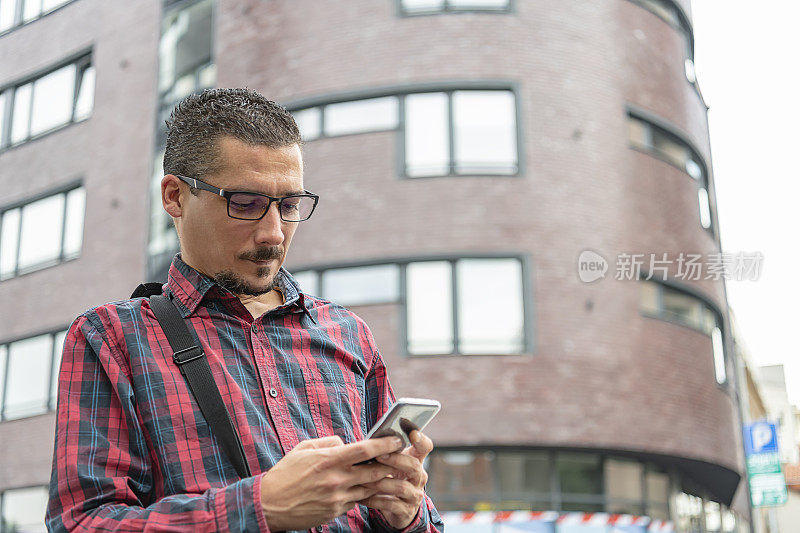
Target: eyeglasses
<point>254,205</point>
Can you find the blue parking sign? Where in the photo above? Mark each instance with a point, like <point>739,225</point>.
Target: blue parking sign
<point>760,437</point>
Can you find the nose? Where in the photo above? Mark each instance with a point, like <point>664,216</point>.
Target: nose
<point>269,230</point>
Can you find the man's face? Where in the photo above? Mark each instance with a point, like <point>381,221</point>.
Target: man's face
<point>242,255</point>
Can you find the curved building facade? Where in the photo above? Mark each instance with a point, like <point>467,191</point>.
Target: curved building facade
<point>515,196</point>
<point>465,159</point>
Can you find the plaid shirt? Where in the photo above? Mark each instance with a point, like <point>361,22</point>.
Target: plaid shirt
<point>133,452</point>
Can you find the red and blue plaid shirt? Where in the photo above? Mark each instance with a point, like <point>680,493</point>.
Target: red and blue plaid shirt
<point>133,452</point>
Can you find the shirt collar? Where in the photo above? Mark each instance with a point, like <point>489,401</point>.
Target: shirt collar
<point>187,287</point>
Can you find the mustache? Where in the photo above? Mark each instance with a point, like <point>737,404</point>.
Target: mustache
<point>262,254</point>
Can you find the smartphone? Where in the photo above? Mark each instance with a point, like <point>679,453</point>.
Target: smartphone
<point>404,416</point>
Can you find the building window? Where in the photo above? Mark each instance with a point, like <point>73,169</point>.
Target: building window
<point>525,477</point>
<point>498,479</point>
<point>362,285</point>
<point>657,141</point>
<point>185,67</point>
<point>687,512</point>
<point>580,477</point>
<point>623,486</point>
<point>46,103</point>
<point>462,132</point>
<point>669,12</point>
<point>667,303</point>
<point>360,116</point>
<point>29,368</point>
<point>185,52</point>
<point>657,490</point>
<point>15,13</point>
<point>23,509</point>
<point>445,301</point>
<point>458,132</point>
<point>427,7</point>
<point>464,479</point>
<point>429,308</point>
<point>41,233</point>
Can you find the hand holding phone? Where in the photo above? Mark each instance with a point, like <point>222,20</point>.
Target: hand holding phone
<point>403,417</point>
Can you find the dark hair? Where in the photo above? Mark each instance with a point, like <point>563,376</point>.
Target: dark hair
<point>199,120</point>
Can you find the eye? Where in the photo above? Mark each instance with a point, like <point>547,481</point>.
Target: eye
<point>290,204</point>
<point>242,206</point>
<point>246,203</point>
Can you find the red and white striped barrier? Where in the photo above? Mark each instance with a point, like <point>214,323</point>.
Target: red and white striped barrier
<point>661,526</point>
<point>567,519</point>
<point>525,516</point>
<point>493,517</point>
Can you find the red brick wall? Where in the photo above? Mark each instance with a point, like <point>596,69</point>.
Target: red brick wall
<point>605,377</point>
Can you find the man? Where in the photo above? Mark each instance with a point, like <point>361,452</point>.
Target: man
<point>301,376</point>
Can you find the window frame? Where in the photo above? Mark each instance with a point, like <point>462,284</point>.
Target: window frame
<point>708,304</point>
<point>685,27</point>
<point>60,260</point>
<point>448,9</point>
<point>3,525</point>
<point>83,61</point>
<point>658,125</point>
<point>528,315</point>
<point>556,498</point>
<point>165,103</point>
<point>401,92</point>
<point>19,15</point>
<point>161,238</point>
<point>684,23</point>
<point>52,373</point>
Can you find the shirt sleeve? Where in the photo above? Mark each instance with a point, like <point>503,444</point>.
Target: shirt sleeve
<point>378,398</point>
<point>102,477</point>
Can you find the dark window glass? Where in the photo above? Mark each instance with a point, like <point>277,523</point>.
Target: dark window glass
<point>524,472</point>
<point>580,473</point>
<point>462,480</point>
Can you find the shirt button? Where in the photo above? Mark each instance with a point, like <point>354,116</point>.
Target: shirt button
<point>254,328</point>
<point>273,393</point>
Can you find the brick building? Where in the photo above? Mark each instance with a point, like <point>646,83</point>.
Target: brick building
<point>487,144</point>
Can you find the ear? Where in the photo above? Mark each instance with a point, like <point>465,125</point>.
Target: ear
<point>171,195</point>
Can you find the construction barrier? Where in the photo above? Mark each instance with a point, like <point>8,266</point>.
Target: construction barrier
<point>550,522</point>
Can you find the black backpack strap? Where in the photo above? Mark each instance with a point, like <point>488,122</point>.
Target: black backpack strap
<point>147,290</point>
<point>191,359</point>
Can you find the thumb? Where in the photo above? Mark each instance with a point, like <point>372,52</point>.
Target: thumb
<point>323,442</point>
<point>421,445</point>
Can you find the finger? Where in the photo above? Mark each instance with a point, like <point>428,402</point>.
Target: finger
<point>422,444</point>
<point>356,452</point>
<point>410,466</point>
<point>389,504</point>
<point>360,493</point>
<point>379,501</point>
<point>398,488</point>
<point>370,472</point>
<point>323,442</point>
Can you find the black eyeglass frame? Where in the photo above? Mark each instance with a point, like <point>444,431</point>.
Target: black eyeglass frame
<point>199,184</point>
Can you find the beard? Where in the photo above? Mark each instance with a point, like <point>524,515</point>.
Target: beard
<point>235,283</point>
